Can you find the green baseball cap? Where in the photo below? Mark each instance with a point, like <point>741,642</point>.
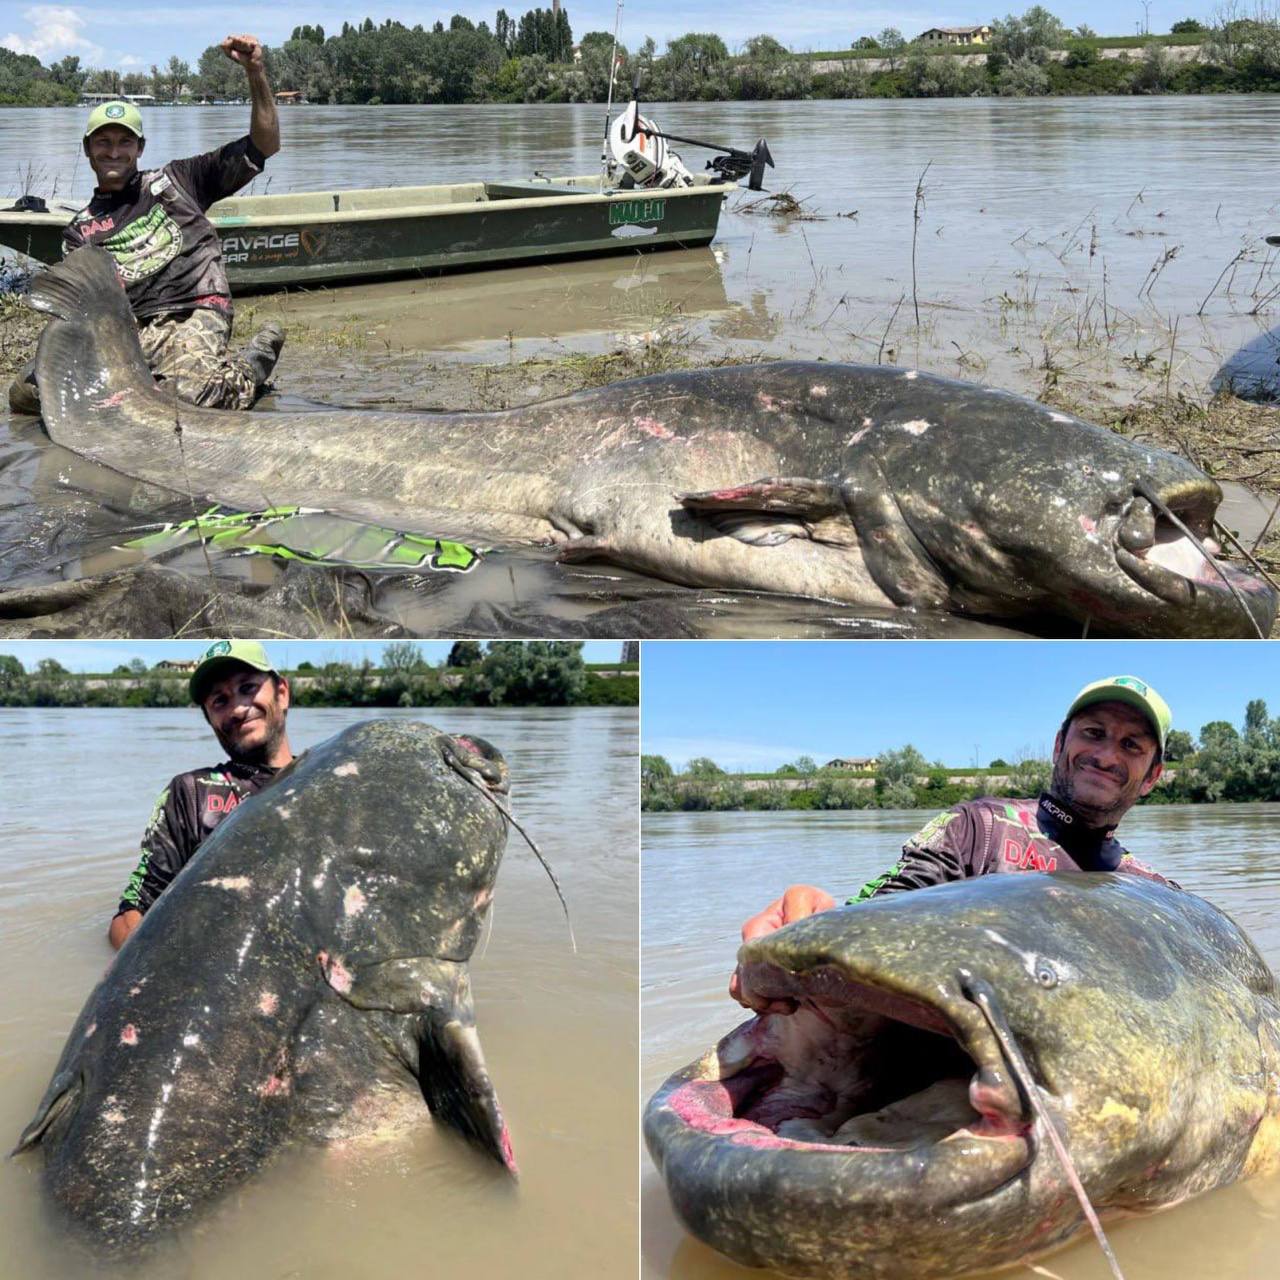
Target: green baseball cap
<point>125,114</point>
<point>217,661</point>
<point>1135,693</point>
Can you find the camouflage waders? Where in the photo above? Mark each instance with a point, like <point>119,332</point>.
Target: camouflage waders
<point>188,351</point>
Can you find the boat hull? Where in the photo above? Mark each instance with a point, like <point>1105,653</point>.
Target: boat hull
<point>316,238</point>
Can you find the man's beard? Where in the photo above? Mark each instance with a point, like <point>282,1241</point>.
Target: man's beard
<point>262,753</point>
<point>1062,788</point>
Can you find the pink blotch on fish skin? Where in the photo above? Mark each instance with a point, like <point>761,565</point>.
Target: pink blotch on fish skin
<point>1088,525</point>
<point>93,1026</point>
<point>274,1085</point>
<point>483,898</point>
<point>353,901</point>
<point>336,974</point>
<point>111,401</point>
<point>129,1035</point>
<point>135,991</point>
<point>766,401</point>
<point>652,427</point>
<point>268,1003</point>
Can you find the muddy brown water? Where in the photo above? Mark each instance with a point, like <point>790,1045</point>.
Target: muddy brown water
<point>1087,242</point>
<point>559,1030</point>
<point>704,874</point>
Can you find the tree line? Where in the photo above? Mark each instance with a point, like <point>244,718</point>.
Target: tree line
<point>543,673</point>
<point>533,58</point>
<point>1226,763</point>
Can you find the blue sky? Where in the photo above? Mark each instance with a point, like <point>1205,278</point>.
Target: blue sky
<point>104,655</point>
<point>756,705</point>
<point>108,34</point>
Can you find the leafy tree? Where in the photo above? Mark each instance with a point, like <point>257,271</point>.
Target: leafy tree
<point>1178,745</point>
<point>402,658</point>
<point>1030,777</point>
<point>895,785</point>
<point>865,42</point>
<point>538,673</point>
<point>68,73</point>
<point>891,42</point>
<point>694,66</point>
<point>703,767</point>
<point>51,669</point>
<point>1154,71</point>
<point>1187,26</point>
<point>137,667</point>
<point>1029,38</point>
<point>465,653</point>
<point>12,672</point>
<point>1022,79</point>
<point>998,763</point>
<point>806,766</point>
<point>1080,53</point>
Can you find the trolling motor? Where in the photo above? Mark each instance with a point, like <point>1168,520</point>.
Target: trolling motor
<point>639,148</point>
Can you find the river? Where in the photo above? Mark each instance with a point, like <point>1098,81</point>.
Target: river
<point>704,874</point>
<point>559,1030</point>
<point>1109,248</point>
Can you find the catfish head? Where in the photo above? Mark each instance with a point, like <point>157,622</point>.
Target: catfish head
<point>1021,508</point>
<point>879,1129</point>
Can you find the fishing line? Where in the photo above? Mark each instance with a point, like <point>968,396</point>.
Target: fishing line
<point>546,866</point>
<point>1148,492</point>
<point>981,996</point>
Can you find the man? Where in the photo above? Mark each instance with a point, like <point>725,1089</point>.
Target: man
<point>1107,755</point>
<point>245,702</point>
<point>167,252</point>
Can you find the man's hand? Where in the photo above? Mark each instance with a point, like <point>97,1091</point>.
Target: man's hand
<point>246,50</point>
<point>264,126</point>
<point>799,901</point>
<point>122,926</point>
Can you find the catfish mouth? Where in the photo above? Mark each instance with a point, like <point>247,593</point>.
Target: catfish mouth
<point>860,1067</point>
<point>1154,550</point>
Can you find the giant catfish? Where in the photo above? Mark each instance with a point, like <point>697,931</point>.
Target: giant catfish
<point>897,488</point>
<point>879,1130</point>
<point>305,976</point>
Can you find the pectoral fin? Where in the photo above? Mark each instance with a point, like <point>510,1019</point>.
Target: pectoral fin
<point>455,1081</point>
<point>770,511</point>
<point>59,1102</point>
<point>436,996</point>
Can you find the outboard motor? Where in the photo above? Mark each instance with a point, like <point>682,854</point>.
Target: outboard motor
<point>638,150</point>
<point>638,155</point>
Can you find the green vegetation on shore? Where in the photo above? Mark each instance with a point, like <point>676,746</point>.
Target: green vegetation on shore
<point>1226,764</point>
<point>542,673</point>
<point>534,59</point>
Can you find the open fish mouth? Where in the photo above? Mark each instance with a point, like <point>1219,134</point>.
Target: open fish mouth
<point>896,1082</point>
<point>1164,543</point>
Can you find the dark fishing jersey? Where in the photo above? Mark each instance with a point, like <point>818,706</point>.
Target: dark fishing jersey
<point>990,836</point>
<point>188,810</point>
<point>167,252</point>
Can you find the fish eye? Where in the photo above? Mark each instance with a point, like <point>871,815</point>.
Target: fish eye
<point>1046,975</point>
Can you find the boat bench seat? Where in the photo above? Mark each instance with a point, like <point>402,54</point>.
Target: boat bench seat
<point>530,190</point>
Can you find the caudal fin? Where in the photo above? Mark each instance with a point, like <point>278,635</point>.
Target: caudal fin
<point>89,358</point>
